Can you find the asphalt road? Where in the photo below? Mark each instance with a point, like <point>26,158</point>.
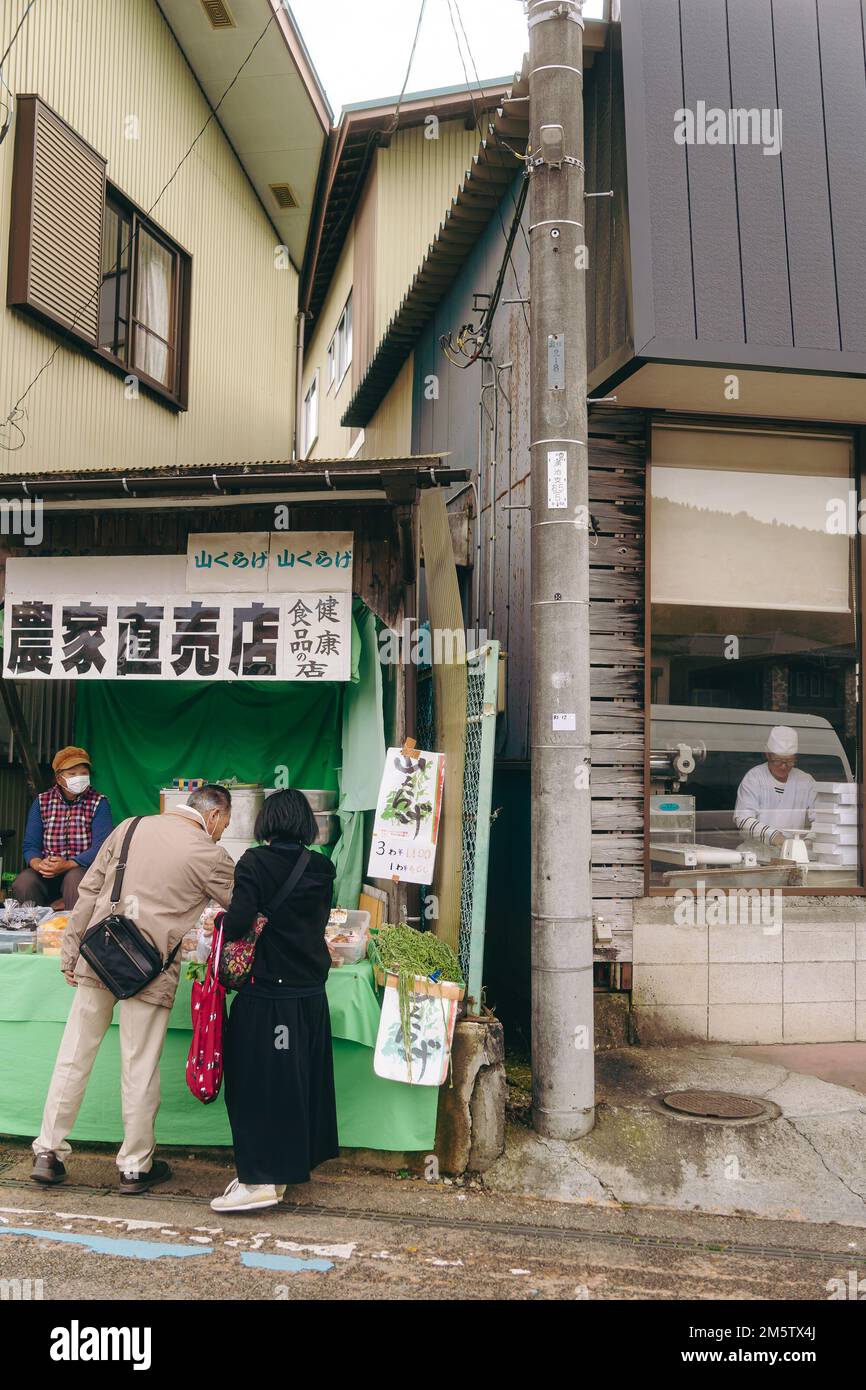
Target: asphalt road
<point>352,1236</point>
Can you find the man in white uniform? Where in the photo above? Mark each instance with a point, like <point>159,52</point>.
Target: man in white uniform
<point>775,796</point>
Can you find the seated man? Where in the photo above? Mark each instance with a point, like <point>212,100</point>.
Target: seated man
<point>775,796</point>
<point>64,831</point>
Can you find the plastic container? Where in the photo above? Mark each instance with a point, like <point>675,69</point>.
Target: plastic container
<point>347,942</point>
<point>14,940</point>
<point>49,937</point>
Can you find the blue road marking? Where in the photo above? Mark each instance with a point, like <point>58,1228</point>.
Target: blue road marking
<point>286,1263</point>
<point>108,1245</point>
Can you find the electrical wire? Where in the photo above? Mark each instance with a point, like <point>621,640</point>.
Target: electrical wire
<point>452,6</point>
<point>396,117</point>
<point>9,106</point>
<point>15,413</point>
<point>490,126</point>
<point>17,32</point>
<point>480,337</point>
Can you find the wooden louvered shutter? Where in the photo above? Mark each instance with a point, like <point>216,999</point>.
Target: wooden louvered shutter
<point>58,200</point>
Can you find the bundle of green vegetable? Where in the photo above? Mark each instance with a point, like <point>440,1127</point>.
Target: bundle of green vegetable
<point>402,951</point>
<point>402,948</point>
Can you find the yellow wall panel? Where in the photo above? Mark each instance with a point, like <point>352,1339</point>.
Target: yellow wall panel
<point>112,69</point>
<point>416,178</point>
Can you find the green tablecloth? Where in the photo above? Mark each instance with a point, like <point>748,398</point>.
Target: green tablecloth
<point>35,1000</point>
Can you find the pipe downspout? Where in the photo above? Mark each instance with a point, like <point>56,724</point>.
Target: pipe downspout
<point>299,387</point>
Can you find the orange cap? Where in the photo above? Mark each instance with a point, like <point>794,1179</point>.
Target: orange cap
<point>70,757</point>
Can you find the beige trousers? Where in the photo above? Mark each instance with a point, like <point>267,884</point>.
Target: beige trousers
<point>142,1034</point>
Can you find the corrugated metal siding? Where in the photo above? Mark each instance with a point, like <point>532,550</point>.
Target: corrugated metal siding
<point>112,69</point>
<point>417,178</point>
<point>447,415</point>
<point>15,801</point>
<point>389,433</point>
<point>364,277</point>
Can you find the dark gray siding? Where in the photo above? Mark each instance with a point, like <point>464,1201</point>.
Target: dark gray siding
<point>738,257</point>
<point>608,303</point>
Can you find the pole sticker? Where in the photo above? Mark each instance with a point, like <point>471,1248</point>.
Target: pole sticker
<point>557,479</point>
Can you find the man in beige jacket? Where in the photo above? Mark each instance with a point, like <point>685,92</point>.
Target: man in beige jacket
<point>175,867</point>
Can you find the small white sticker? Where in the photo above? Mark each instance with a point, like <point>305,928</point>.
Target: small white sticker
<point>564,723</point>
<point>557,479</point>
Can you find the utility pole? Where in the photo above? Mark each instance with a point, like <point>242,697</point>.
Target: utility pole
<point>563,1062</point>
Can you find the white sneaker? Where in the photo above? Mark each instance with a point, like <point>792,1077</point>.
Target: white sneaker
<point>239,1197</point>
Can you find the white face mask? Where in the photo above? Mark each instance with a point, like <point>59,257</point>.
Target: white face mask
<point>77,785</point>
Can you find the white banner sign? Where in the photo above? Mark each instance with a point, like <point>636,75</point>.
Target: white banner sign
<point>84,635</point>
<point>407,816</point>
<point>279,561</point>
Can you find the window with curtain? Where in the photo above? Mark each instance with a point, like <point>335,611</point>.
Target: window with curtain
<point>145,283</point>
<point>754,622</point>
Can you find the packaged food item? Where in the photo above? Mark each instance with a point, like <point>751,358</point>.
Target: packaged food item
<point>347,937</point>
<point>189,945</point>
<point>49,936</point>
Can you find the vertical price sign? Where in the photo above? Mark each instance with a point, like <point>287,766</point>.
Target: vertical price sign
<point>407,816</point>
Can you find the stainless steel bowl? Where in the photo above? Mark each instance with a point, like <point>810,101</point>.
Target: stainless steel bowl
<point>320,800</point>
<point>329,828</point>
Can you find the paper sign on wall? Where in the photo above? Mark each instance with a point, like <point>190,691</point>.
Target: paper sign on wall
<point>253,636</point>
<point>278,561</point>
<point>406,828</point>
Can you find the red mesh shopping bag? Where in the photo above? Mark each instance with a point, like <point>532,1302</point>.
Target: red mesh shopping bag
<point>204,1065</point>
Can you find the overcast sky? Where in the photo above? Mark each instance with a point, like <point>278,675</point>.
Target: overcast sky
<point>360,48</point>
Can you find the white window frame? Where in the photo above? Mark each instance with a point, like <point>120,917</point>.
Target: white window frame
<point>332,361</point>
<point>340,347</point>
<point>311,408</point>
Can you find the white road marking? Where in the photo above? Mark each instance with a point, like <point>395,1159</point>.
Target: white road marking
<point>339,1252</point>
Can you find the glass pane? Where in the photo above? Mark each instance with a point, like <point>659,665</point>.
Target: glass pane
<point>755,732</point>
<point>153,308</point>
<point>114,290</point>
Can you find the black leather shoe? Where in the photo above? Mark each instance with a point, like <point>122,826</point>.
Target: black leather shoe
<point>133,1183</point>
<point>47,1168</point>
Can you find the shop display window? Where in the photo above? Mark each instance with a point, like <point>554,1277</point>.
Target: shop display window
<point>754,744</point>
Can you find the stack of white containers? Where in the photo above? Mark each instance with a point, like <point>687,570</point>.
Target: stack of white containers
<point>835,824</point>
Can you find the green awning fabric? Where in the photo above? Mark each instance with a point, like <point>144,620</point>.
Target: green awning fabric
<point>363,745</point>
<point>34,1002</point>
<point>141,736</point>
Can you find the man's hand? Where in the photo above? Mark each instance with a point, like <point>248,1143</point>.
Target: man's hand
<point>778,839</point>
<point>37,864</point>
<point>69,977</point>
<point>53,866</point>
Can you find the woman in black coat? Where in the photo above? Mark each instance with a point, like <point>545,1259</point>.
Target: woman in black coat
<point>277,1059</point>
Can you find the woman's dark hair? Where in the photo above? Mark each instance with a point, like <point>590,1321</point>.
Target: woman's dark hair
<point>286,815</point>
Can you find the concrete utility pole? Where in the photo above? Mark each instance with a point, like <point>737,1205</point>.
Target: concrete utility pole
<point>563,1062</point>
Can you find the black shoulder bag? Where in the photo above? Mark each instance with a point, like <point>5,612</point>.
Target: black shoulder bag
<point>121,955</point>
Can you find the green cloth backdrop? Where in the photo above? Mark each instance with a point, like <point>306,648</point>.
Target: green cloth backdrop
<point>141,735</point>
<point>34,1001</point>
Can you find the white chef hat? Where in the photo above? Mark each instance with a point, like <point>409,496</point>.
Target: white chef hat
<point>783,741</point>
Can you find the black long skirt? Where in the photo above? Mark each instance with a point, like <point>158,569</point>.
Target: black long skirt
<point>279,1079</point>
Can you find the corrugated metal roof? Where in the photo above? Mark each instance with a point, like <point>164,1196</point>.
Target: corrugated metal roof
<point>493,169</point>
<point>396,478</point>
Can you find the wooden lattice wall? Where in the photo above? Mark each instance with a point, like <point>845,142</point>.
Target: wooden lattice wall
<point>617,471</point>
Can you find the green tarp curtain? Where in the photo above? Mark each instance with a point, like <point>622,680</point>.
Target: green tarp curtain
<point>143,735</point>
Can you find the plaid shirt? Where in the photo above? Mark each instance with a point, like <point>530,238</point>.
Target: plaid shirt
<point>66,825</point>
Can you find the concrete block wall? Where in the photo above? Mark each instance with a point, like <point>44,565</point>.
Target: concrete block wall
<point>799,978</point>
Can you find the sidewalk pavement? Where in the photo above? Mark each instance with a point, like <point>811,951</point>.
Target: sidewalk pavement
<point>806,1163</point>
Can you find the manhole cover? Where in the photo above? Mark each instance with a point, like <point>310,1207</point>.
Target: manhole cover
<point>715,1105</point>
